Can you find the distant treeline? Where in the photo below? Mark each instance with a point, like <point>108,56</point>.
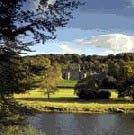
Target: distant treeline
<point>87,62</point>
<point>113,71</point>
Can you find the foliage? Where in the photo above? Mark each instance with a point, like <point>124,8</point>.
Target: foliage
<point>21,27</point>
<point>121,78</point>
<point>114,70</point>
<point>19,22</point>
<point>104,94</point>
<point>47,75</point>
<point>109,83</point>
<point>15,130</point>
<point>87,88</point>
<point>126,80</point>
<point>37,65</point>
<point>119,68</point>
<point>93,63</point>
<point>50,80</point>
<point>90,88</point>
<point>16,24</point>
<point>14,76</point>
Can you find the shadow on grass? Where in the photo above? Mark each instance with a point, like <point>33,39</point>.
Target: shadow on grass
<point>77,100</point>
<point>60,99</point>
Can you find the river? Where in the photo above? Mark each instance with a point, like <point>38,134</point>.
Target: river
<point>83,124</point>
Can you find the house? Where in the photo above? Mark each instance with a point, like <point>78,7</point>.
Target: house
<point>74,74</point>
<point>70,74</point>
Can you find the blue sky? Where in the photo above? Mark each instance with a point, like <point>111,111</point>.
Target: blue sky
<point>100,27</point>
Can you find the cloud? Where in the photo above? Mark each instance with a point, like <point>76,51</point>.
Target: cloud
<point>37,2</point>
<point>119,7</point>
<point>112,43</point>
<point>67,49</point>
<point>51,2</point>
<point>108,52</point>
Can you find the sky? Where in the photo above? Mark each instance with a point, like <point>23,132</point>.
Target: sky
<point>99,27</point>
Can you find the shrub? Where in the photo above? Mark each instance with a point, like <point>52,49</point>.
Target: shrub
<point>87,94</point>
<point>87,88</point>
<point>12,130</point>
<point>104,95</point>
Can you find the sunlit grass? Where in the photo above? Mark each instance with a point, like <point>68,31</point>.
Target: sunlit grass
<point>65,98</point>
<point>113,92</point>
<point>67,83</point>
<point>38,93</point>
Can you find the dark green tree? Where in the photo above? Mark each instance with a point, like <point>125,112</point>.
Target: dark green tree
<point>21,27</point>
<point>18,22</point>
<point>87,88</point>
<point>14,76</point>
<point>114,69</point>
<point>126,81</point>
<point>44,74</point>
<point>109,83</point>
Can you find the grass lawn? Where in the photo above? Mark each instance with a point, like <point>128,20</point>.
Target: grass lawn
<point>114,93</point>
<point>61,93</point>
<point>65,98</point>
<point>67,83</point>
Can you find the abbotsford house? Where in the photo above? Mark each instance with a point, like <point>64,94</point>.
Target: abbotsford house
<point>73,74</point>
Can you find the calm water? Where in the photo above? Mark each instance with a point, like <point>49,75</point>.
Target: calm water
<point>84,124</point>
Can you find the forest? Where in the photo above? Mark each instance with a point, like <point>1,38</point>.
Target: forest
<point>114,72</point>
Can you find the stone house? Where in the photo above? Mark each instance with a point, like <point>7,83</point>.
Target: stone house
<point>74,74</point>
<point>68,74</point>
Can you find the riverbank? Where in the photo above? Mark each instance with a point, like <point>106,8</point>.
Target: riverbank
<point>65,101</point>
<point>80,106</point>
<point>90,107</point>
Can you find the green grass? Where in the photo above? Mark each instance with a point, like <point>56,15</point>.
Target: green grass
<point>61,93</point>
<point>67,83</point>
<point>65,99</point>
<point>114,93</point>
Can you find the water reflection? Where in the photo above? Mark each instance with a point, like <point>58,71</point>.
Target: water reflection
<point>84,124</point>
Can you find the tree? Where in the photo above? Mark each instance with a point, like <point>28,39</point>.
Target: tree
<point>109,83</point>
<point>13,75</point>
<point>126,80</point>
<point>18,23</point>
<point>22,27</point>
<point>14,78</point>
<point>44,74</point>
<point>87,88</point>
<point>50,80</point>
<point>114,70</point>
